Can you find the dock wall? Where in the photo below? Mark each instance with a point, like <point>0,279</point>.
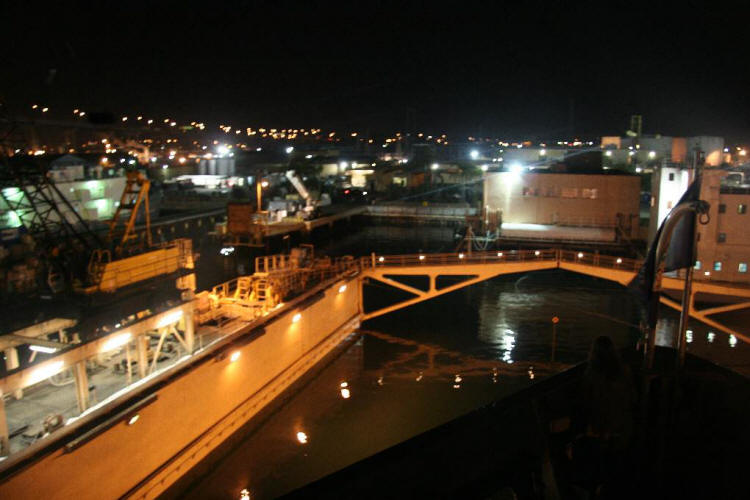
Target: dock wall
<point>181,421</point>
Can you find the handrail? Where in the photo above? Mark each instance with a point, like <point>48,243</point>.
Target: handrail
<point>498,256</point>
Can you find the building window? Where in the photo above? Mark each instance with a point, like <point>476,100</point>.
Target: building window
<point>697,265</point>
<point>717,265</point>
<point>698,237</point>
<point>671,177</point>
<point>589,193</point>
<point>722,237</point>
<point>722,208</point>
<point>741,209</point>
<point>568,192</point>
<point>742,267</point>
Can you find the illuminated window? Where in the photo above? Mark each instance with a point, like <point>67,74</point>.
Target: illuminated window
<point>722,237</point>
<point>589,193</point>
<point>742,267</point>
<point>697,264</point>
<point>741,209</point>
<point>722,208</point>
<point>717,265</point>
<point>569,192</point>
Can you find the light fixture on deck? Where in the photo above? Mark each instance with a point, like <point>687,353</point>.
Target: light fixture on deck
<point>296,318</point>
<point>342,288</point>
<point>170,318</point>
<point>43,349</point>
<point>116,341</point>
<point>134,419</point>
<point>235,356</point>
<point>45,371</point>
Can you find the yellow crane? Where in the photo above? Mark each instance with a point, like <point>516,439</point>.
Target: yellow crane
<point>134,196</point>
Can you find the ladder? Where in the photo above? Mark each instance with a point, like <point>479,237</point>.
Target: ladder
<point>261,288</point>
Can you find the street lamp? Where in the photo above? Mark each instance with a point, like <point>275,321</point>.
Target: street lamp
<point>259,193</point>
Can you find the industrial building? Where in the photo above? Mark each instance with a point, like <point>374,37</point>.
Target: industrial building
<point>724,241</point>
<point>564,206</point>
<point>651,150</point>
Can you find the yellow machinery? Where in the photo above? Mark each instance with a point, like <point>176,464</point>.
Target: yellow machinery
<point>108,275</point>
<point>276,278</point>
<point>133,197</point>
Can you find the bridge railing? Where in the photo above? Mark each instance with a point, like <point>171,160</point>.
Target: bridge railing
<point>498,256</point>
<point>598,260</point>
<point>457,258</point>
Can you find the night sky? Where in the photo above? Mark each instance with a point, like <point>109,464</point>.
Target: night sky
<point>512,70</point>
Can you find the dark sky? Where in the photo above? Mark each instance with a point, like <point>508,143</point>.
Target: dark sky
<point>510,68</point>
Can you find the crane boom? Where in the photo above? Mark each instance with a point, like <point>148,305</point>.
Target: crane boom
<point>297,183</point>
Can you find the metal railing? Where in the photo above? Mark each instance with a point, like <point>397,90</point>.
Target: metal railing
<point>233,298</point>
<point>598,260</point>
<point>458,258</point>
<point>500,256</point>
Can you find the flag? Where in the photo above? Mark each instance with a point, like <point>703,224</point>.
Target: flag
<point>679,255</point>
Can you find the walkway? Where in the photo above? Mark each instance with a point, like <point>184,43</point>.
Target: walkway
<point>439,274</point>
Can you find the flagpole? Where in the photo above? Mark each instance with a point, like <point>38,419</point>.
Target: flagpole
<point>687,297</point>
<point>662,246</point>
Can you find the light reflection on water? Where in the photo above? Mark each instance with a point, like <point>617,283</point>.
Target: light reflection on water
<point>419,367</point>
<point>413,370</point>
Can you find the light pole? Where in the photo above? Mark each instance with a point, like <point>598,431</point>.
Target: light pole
<point>259,185</point>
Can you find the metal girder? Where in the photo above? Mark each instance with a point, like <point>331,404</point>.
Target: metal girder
<point>37,202</point>
<point>722,309</point>
<point>81,352</point>
<point>14,340</point>
<point>705,319</point>
<point>483,268</point>
<point>33,332</point>
<point>480,271</point>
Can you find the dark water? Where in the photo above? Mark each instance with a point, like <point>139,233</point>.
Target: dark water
<point>416,368</point>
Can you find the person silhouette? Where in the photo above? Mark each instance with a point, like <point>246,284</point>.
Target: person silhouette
<point>603,419</point>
